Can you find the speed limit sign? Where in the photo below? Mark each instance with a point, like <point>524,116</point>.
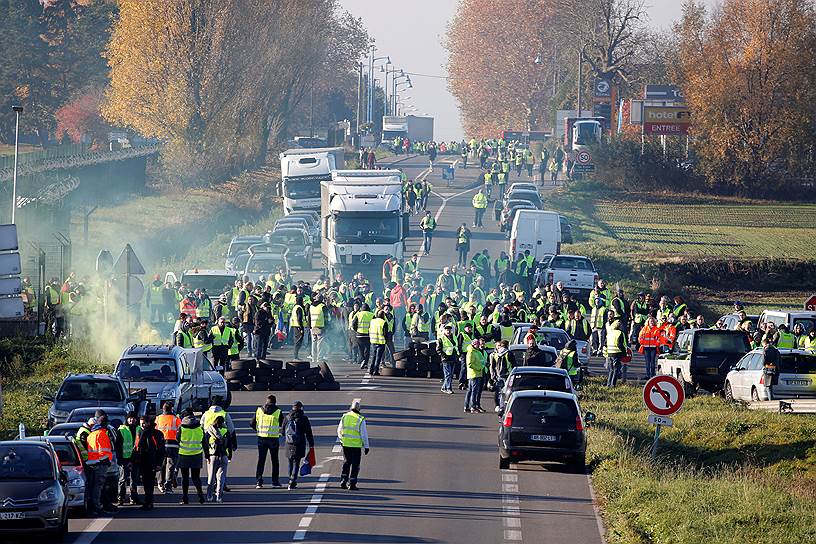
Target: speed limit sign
<point>583,157</point>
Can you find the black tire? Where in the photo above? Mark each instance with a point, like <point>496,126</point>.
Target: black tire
<point>426,352</point>
<point>754,395</point>
<point>328,386</point>
<point>286,374</point>
<point>414,374</point>
<point>304,387</point>
<point>244,364</point>
<point>233,385</point>
<point>393,372</point>
<point>262,371</point>
<point>504,464</point>
<point>326,372</point>
<point>400,355</point>
<point>235,374</point>
<point>405,365</point>
<point>246,379</point>
<point>262,386</point>
<point>306,372</point>
<point>272,364</point>
<point>297,365</point>
<point>578,464</point>
<point>728,392</point>
<point>280,387</point>
<point>314,379</point>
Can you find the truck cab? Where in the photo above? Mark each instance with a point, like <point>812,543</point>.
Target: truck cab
<point>171,373</point>
<point>702,358</point>
<point>302,170</point>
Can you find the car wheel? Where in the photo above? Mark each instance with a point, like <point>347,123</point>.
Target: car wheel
<point>578,464</point>
<point>228,400</point>
<point>728,392</point>
<point>504,464</point>
<point>754,394</point>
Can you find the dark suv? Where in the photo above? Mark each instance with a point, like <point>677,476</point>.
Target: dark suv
<point>702,358</point>
<point>32,489</point>
<point>543,426</point>
<point>85,391</point>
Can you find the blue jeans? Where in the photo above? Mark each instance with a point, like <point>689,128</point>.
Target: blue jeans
<point>294,469</point>
<point>614,369</point>
<point>379,352</point>
<point>497,393</point>
<point>246,330</point>
<point>260,342</point>
<point>474,393</point>
<point>651,358</point>
<point>447,381</point>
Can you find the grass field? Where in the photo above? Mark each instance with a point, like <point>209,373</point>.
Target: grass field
<point>724,473</point>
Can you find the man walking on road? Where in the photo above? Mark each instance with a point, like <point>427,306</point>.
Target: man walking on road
<point>427,225</point>
<point>354,438</point>
<point>479,207</point>
<point>218,455</point>
<point>614,350</point>
<point>149,454</point>
<point>463,244</point>
<point>297,433</point>
<point>168,424</point>
<point>267,425</point>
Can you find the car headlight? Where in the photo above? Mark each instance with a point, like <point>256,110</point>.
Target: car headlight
<point>60,413</point>
<point>76,482</point>
<point>50,494</point>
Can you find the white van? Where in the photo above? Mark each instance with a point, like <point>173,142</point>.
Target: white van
<point>536,230</point>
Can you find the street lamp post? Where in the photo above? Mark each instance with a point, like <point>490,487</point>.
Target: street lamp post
<point>17,110</point>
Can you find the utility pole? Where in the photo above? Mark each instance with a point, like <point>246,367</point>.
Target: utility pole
<point>359,94</point>
<point>580,79</point>
<point>17,110</point>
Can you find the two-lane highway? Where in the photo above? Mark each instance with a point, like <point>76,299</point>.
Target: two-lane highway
<point>432,474</point>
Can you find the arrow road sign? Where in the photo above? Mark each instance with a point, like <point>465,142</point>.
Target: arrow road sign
<point>663,395</point>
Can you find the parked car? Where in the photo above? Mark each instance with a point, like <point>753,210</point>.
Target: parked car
<point>536,378</point>
<point>797,377</point>
<point>292,221</point>
<point>543,426</point>
<point>88,390</point>
<point>264,263</point>
<point>116,416</point>
<point>517,353</point>
<point>33,489</point>
<point>702,358</point>
<point>312,218</point>
<point>521,186</point>
<point>171,373</point>
<point>70,461</point>
<point>523,194</point>
<point>240,246</point>
<point>551,336</point>
<point>576,272</point>
<point>731,321</point>
<point>297,241</point>
<point>791,319</point>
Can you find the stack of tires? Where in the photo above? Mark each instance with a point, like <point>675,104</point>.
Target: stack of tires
<point>275,375</point>
<point>420,360</point>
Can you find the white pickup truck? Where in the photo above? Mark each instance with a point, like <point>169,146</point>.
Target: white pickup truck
<point>576,273</point>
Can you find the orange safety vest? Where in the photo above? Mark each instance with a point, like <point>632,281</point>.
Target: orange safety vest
<point>187,307</point>
<point>99,446</point>
<point>649,337</point>
<point>169,425</point>
<point>668,333</point>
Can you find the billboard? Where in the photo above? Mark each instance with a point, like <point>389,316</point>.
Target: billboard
<point>666,120</point>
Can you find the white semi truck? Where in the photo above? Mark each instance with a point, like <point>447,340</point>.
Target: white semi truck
<point>302,170</point>
<point>362,221</point>
<point>416,129</point>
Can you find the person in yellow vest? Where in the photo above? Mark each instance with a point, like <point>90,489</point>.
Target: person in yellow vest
<point>475,363</point>
<point>361,324</point>
<point>317,326</point>
<point>128,470</point>
<point>297,321</point>
<point>479,202</point>
<point>222,339</point>
<point>154,299</point>
<point>808,342</point>
<point>376,336</point>
<point>614,350</point>
<point>353,436</point>
<point>168,424</point>
<point>427,225</point>
<point>449,350</point>
<point>191,449</point>
<point>234,351</point>
<point>267,426</point>
<point>218,453</point>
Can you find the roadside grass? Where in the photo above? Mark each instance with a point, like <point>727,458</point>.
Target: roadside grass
<point>32,367</point>
<point>723,473</point>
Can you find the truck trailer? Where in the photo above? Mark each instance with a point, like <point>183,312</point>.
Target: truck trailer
<point>302,170</point>
<point>362,221</point>
<point>416,129</point>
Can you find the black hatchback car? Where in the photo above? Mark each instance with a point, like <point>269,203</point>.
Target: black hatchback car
<point>543,426</point>
<point>32,489</point>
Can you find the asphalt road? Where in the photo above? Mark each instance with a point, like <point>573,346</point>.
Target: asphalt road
<point>432,474</point>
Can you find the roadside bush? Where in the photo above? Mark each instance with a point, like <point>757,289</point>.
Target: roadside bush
<point>621,164</point>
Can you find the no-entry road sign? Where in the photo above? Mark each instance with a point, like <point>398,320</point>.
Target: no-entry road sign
<point>663,395</point>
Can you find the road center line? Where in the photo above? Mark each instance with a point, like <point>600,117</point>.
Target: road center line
<point>311,510</point>
<point>512,512</point>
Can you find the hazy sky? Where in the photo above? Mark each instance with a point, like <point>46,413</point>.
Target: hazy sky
<point>411,33</point>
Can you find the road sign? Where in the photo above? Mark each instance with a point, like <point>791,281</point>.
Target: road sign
<point>660,420</point>
<point>583,168</point>
<point>662,92</point>
<point>128,263</point>
<point>663,395</point>
<point>583,157</point>
<point>810,304</point>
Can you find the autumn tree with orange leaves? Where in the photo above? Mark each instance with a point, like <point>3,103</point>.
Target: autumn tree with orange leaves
<point>747,71</point>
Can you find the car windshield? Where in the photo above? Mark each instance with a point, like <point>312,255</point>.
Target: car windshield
<point>262,264</point>
<point>115,417</point>
<point>66,454</point>
<point>366,228</point>
<point>546,381</point>
<point>215,284</point>
<point>290,238</point>
<point>147,370</point>
<point>797,363</point>
<point>527,196</point>
<point>25,463</point>
<point>572,263</point>
<point>100,390</point>
<point>240,261</point>
<point>535,411</point>
<point>236,248</point>
<point>721,343</point>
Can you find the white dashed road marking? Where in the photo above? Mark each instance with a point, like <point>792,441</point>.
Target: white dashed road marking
<point>510,507</point>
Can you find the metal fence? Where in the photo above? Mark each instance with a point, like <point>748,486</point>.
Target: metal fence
<point>56,152</point>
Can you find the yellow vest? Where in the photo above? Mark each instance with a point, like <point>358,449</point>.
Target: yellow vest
<point>268,425</point>
<point>377,331</point>
<point>317,319</point>
<point>364,322</point>
<point>352,436</point>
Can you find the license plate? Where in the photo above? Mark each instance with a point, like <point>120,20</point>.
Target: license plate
<point>797,382</point>
<point>543,438</point>
<point>11,515</point>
